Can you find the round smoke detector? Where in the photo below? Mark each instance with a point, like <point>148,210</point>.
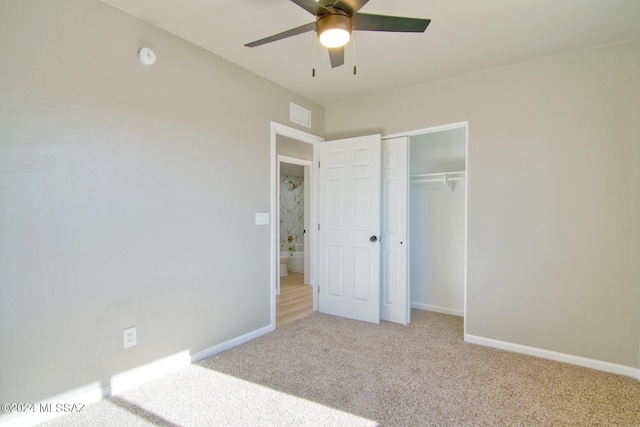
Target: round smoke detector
<point>147,56</point>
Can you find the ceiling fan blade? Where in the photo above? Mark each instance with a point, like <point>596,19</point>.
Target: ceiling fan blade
<point>292,32</point>
<point>351,6</point>
<point>313,7</point>
<point>336,55</point>
<point>367,22</point>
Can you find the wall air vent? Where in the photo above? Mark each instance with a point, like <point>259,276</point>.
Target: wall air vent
<point>299,115</point>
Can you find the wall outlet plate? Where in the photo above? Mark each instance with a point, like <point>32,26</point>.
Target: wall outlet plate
<point>130,337</point>
<point>262,218</point>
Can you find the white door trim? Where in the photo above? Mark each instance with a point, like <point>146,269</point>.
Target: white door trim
<point>280,129</point>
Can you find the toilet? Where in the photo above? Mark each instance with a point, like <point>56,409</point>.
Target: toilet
<point>283,266</point>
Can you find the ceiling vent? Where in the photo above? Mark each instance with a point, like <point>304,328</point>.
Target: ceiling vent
<point>299,115</point>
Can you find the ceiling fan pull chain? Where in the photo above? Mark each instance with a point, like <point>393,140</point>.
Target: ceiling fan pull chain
<point>313,70</point>
<point>354,53</point>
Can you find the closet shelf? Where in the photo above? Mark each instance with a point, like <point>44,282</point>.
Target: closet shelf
<point>446,178</point>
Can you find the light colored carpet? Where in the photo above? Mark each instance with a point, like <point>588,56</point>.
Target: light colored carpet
<point>329,371</point>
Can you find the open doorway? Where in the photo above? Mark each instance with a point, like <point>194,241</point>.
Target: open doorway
<point>294,233</point>
<point>294,298</point>
<point>294,197</point>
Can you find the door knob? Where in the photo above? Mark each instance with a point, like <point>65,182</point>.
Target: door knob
<point>373,239</point>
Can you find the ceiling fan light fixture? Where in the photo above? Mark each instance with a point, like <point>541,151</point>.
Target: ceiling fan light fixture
<point>334,30</point>
<point>334,37</point>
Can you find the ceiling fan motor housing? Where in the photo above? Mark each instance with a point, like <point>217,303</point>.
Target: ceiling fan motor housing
<point>334,21</point>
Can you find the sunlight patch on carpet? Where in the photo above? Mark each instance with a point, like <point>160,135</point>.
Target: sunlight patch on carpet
<point>201,396</point>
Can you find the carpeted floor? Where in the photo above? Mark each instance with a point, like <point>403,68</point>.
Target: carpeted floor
<point>328,371</point>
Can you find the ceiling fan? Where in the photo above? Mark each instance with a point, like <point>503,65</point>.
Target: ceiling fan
<point>336,19</point>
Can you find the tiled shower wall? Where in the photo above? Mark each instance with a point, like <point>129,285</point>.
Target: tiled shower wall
<point>291,212</point>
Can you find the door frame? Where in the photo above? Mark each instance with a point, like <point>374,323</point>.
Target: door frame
<point>302,136</point>
<point>434,129</point>
<point>280,129</point>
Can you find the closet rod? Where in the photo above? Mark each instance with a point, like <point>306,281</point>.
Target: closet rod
<point>440,174</point>
<point>460,178</point>
<point>446,178</point>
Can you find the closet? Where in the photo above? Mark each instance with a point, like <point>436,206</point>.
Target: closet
<point>437,170</point>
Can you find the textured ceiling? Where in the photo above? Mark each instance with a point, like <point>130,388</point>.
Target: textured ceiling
<point>465,36</point>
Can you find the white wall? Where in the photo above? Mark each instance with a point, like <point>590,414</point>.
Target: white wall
<point>437,248</point>
<point>120,201</point>
<point>435,152</point>
<point>554,195</point>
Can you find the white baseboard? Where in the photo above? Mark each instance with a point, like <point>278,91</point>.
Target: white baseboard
<point>123,381</point>
<point>208,352</point>
<point>437,309</point>
<point>599,365</point>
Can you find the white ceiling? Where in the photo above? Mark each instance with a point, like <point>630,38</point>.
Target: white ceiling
<point>464,37</point>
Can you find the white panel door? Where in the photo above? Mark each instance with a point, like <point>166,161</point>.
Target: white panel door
<point>350,228</point>
<point>395,289</point>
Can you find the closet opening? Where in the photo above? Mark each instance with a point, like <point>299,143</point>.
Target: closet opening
<point>437,219</point>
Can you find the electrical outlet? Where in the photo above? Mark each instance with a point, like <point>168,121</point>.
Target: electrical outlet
<point>130,338</point>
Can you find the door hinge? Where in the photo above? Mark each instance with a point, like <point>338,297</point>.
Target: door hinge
<point>318,289</point>
<point>318,227</point>
<point>318,164</point>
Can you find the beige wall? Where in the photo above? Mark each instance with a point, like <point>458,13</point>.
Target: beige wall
<point>554,195</point>
<point>293,148</point>
<point>121,200</point>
